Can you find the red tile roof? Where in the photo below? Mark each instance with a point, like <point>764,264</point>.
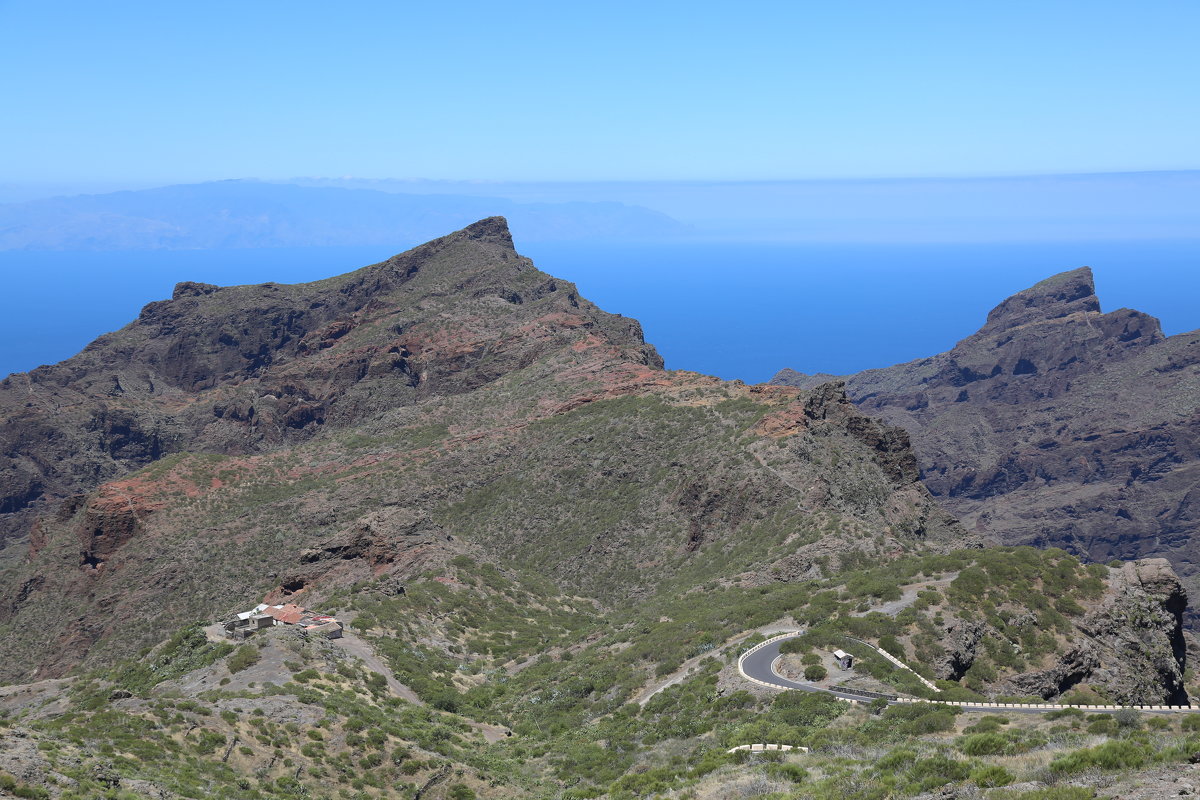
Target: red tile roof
<point>288,613</point>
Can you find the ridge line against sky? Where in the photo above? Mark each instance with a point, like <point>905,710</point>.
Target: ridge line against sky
<point>701,180</point>
<point>16,192</point>
<point>536,91</point>
<point>1102,206</point>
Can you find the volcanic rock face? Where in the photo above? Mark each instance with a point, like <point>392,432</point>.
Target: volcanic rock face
<point>248,369</point>
<point>1149,594</point>
<point>1135,644</point>
<point>1057,425</point>
<point>236,442</point>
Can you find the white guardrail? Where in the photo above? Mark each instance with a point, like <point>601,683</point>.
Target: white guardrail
<point>897,662</point>
<point>960,703</point>
<point>764,748</point>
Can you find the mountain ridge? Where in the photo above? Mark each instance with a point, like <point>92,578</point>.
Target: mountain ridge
<point>1056,424</point>
<point>530,526</point>
<point>255,214</point>
<point>466,375</point>
<point>127,398</point>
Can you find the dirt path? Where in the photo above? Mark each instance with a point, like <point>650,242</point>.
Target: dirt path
<point>908,596</point>
<point>360,649</point>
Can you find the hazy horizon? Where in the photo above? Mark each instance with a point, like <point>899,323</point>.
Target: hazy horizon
<point>947,152</point>
<point>1111,206</point>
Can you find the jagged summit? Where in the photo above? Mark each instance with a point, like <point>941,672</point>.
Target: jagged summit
<point>1054,327</point>
<point>491,230</point>
<point>1056,297</point>
<point>1057,424</point>
<point>250,368</point>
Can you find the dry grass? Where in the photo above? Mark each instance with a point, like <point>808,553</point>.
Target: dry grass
<point>734,784</point>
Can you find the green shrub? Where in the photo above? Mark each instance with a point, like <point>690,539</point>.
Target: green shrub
<point>31,792</point>
<point>914,719</point>
<point>815,672</point>
<point>983,744</point>
<point>208,741</point>
<point>992,776</point>
<point>988,724</point>
<point>900,757</point>
<point>1112,755</point>
<point>244,657</point>
<point>17,789</point>
<point>892,645</point>
<point>788,772</point>
<point>930,773</point>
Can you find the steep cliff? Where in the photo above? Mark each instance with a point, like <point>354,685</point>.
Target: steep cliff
<point>1057,425</point>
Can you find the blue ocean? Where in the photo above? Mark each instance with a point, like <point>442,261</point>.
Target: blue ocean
<point>734,310</point>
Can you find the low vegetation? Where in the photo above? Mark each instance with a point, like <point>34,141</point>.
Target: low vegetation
<point>508,649</point>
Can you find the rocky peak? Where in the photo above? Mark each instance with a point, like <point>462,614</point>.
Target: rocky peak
<point>250,368</point>
<point>1057,424</point>
<point>492,230</point>
<point>192,289</point>
<point>1054,326</point>
<point>790,377</point>
<point>1058,296</point>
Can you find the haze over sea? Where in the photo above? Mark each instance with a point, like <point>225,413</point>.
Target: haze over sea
<point>736,310</point>
<point>827,158</point>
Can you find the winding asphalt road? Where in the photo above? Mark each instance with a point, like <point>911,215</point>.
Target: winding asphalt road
<point>760,666</point>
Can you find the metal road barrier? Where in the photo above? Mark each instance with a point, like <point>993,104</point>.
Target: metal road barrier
<point>1039,707</point>
<point>761,748</point>
<point>897,662</point>
<point>863,693</point>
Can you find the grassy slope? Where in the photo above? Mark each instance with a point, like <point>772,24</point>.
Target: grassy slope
<point>479,643</point>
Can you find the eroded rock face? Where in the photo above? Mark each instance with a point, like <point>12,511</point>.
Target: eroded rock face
<point>1057,425</point>
<point>961,643</point>
<point>369,428</point>
<point>1140,623</point>
<point>1130,642</point>
<point>398,541</point>
<point>249,369</point>
<point>1075,666</point>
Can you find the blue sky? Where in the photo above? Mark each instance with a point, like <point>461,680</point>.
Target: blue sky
<point>707,111</point>
<point>141,92</point>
